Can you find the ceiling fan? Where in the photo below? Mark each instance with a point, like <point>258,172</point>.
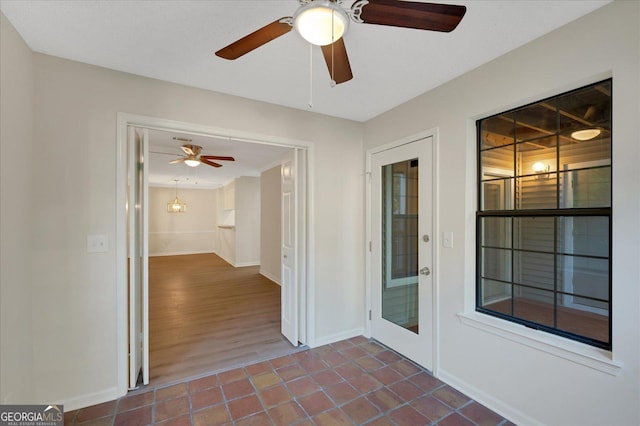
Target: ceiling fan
<point>193,158</point>
<point>324,22</point>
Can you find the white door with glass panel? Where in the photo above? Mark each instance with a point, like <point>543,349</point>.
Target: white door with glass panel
<point>402,250</point>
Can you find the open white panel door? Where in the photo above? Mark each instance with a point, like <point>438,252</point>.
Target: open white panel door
<point>137,201</point>
<point>144,217</point>
<point>135,293</point>
<point>289,291</point>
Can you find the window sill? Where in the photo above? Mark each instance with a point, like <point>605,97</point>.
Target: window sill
<point>595,358</point>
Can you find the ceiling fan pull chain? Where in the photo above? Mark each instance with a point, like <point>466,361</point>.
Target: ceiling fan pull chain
<point>333,42</point>
<point>310,75</point>
<point>332,83</point>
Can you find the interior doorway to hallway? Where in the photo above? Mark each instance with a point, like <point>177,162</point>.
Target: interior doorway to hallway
<point>292,307</point>
<point>206,315</point>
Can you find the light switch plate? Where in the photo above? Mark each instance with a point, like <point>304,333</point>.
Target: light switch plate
<point>447,239</point>
<point>97,243</point>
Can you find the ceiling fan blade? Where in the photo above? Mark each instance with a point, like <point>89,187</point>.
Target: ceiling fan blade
<point>335,55</point>
<point>409,14</point>
<point>173,154</point>
<point>187,150</point>
<point>210,163</point>
<point>179,160</point>
<point>217,157</point>
<point>255,39</point>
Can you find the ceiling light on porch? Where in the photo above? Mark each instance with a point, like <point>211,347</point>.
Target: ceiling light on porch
<point>585,134</point>
<point>321,22</point>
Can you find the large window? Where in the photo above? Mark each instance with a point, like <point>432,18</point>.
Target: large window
<point>544,215</point>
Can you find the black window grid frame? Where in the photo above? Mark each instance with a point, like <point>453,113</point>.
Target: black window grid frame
<point>555,213</point>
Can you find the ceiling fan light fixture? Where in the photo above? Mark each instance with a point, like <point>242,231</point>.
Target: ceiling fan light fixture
<point>191,162</point>
<point>321,22</point>
<point>585,134</point>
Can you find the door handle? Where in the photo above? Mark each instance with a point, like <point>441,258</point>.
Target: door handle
<point>425,271</point>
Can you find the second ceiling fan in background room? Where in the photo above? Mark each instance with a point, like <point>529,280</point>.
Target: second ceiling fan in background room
<point>324,22</point>
<point>193,158</point>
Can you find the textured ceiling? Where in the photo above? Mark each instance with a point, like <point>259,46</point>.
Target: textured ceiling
<point>176,40</point>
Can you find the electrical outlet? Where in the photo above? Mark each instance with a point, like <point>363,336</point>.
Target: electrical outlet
<point>97,243</point>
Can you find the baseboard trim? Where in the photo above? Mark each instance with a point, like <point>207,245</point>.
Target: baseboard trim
<point>239,264</point>
<point>181,253</point>
<point>271,277</point>
<point>505,410</point>
<point>332,338</point>
<point>243,264</point>
<point>226,259</point>
<point>90,399</point>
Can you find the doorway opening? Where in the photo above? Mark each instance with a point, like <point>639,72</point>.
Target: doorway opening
<point>138,306</point>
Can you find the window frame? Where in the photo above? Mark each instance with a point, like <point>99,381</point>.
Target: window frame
<point>517,212</point>
<point>388,215</point>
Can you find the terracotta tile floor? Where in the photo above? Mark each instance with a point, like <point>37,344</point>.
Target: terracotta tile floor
<point>352,382</point>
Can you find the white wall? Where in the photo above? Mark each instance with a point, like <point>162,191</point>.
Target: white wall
<point>182,233</point>
<point>530,385</point>
<point>225,221</point>
<point>238,220</point>
<point>270,224</point>
<point>75,131</point>
<point>16,216</point>
<point>247,203</point>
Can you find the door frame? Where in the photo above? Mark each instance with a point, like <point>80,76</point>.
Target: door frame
<point>567,194</point>
<point>433,133</point>
<point>306,284</point>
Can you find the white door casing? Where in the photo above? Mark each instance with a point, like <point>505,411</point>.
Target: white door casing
<point>305,235</point>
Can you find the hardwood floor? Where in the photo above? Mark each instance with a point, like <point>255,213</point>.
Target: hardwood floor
<point>205,315</point>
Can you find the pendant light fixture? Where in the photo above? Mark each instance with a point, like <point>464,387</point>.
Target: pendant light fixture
<point>176,206</point>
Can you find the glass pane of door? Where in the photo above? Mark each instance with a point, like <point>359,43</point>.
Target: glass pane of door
<point>400,244</point>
